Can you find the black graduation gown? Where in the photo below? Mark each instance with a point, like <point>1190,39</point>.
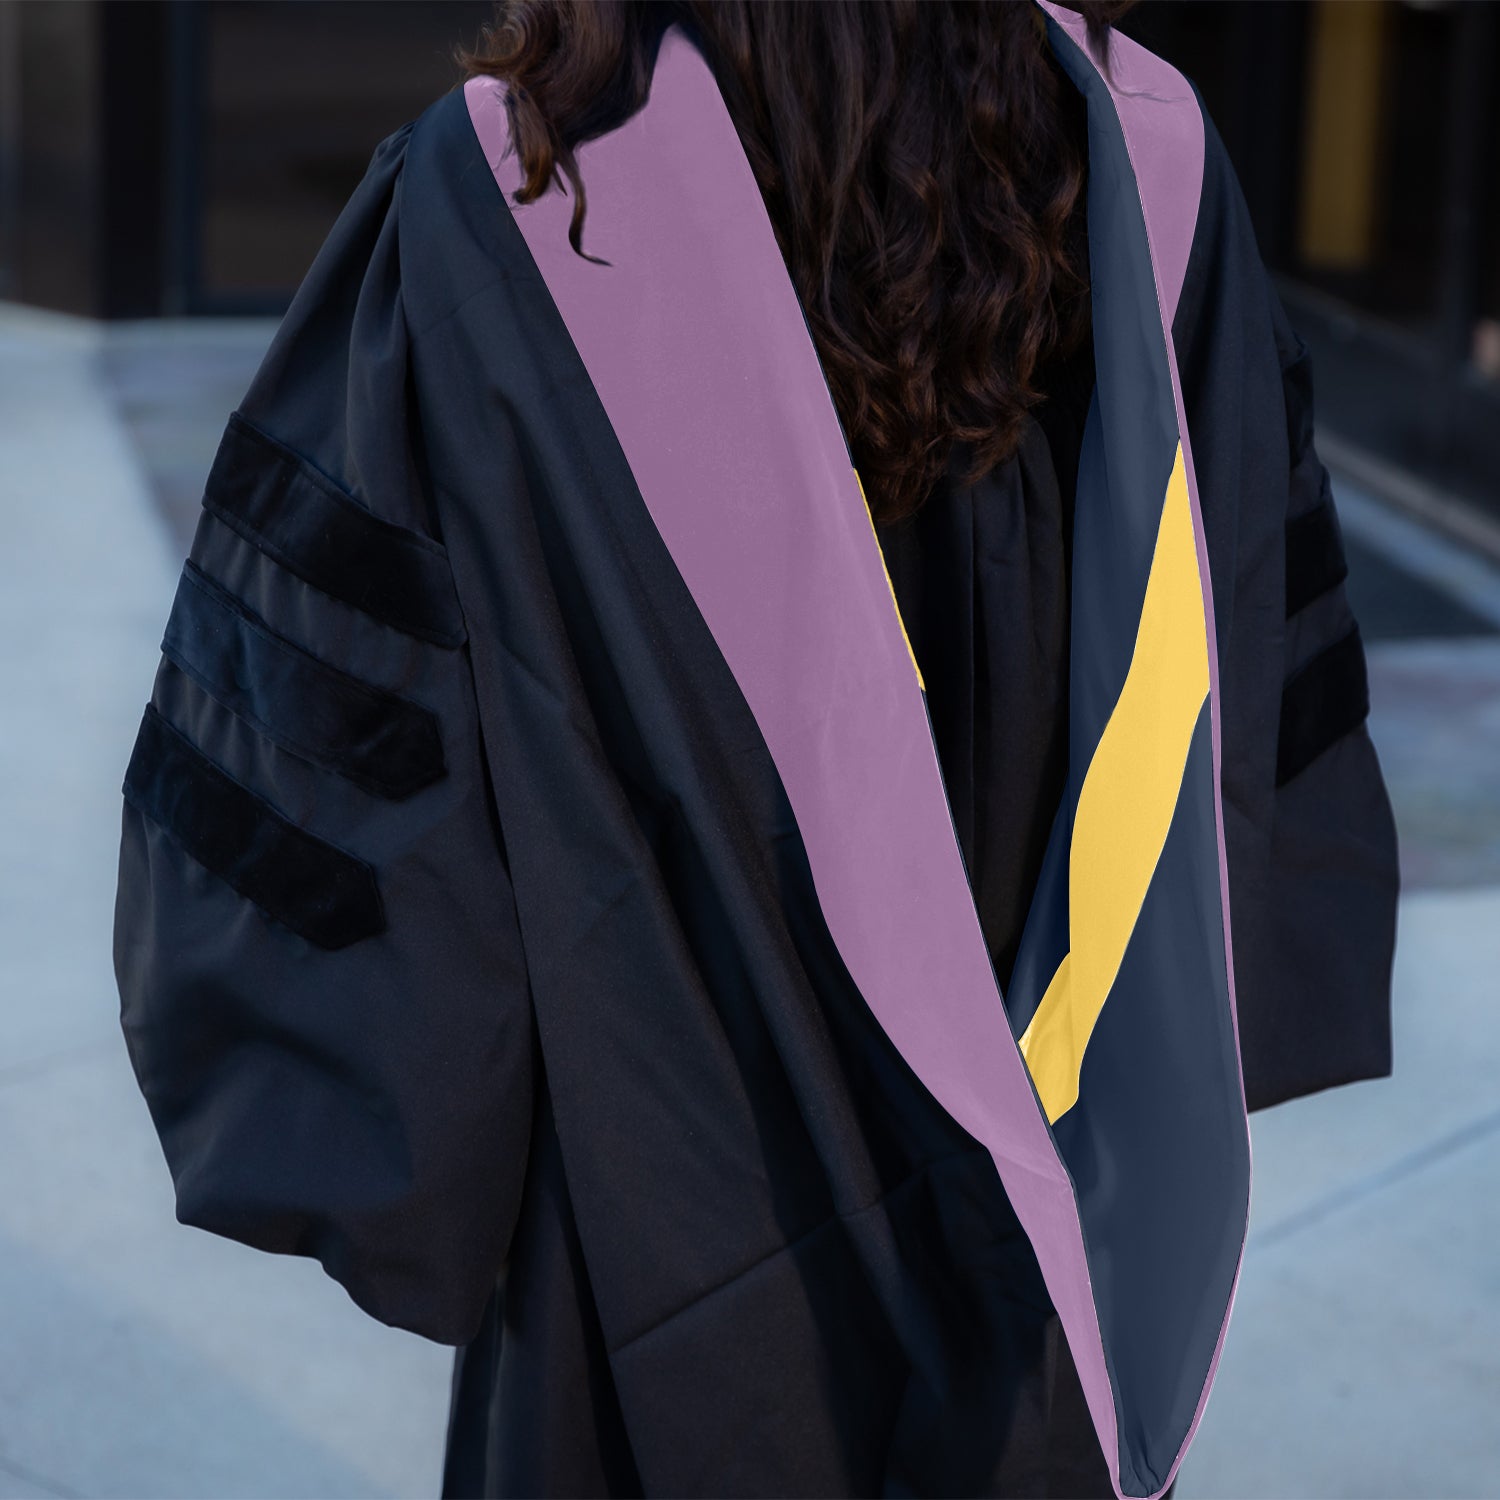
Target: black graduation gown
<point>480,933</point>
<point>981,577</point>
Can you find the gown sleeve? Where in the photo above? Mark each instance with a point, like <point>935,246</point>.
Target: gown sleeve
<point>321,978</point>
<point>1309,832</point>
<point>1334,875</point>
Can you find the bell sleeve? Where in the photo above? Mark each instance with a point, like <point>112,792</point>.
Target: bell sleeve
<point>322,984</point>
<point>1308,829</point>
<point>1332,891</point>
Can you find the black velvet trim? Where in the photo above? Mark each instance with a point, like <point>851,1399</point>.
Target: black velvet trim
<point>1322,701</point>
<point>1314,556</point>
<point>279,503</point>
<point>386,744</point>
<point>327,896</point>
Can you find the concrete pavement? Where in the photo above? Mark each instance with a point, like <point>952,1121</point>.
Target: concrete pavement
<point>1363,1358</point>
<point>139,1358</point>
<point>142,1358</point>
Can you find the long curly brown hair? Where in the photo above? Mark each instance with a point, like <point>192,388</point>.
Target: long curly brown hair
<point>923,165</point>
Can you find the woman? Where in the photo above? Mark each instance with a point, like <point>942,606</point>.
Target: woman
<point>781,994</point>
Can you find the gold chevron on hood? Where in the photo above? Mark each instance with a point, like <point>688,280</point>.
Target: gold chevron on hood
<point>1126,804</point>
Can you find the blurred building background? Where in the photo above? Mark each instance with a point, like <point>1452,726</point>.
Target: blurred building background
<point>1367,138</point>
<point>168,169</point>
<point>169,157</point>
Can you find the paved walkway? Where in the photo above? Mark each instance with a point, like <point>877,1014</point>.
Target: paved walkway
<point>144,1359</point>
<point>1364,1355</point>
<point>139,1358</point>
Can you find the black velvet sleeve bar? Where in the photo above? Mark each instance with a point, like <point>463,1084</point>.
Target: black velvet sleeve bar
<point>282,504</point>
<point>379,740</point>
<point>1326,698</point>
<point>1315,561</point>
<point>306,884</point>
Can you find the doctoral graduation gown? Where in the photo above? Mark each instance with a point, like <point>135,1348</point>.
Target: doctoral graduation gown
<point>784,998</point>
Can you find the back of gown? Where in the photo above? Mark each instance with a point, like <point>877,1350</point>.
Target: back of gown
<point>981,577</point>
<point>538,900</point>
